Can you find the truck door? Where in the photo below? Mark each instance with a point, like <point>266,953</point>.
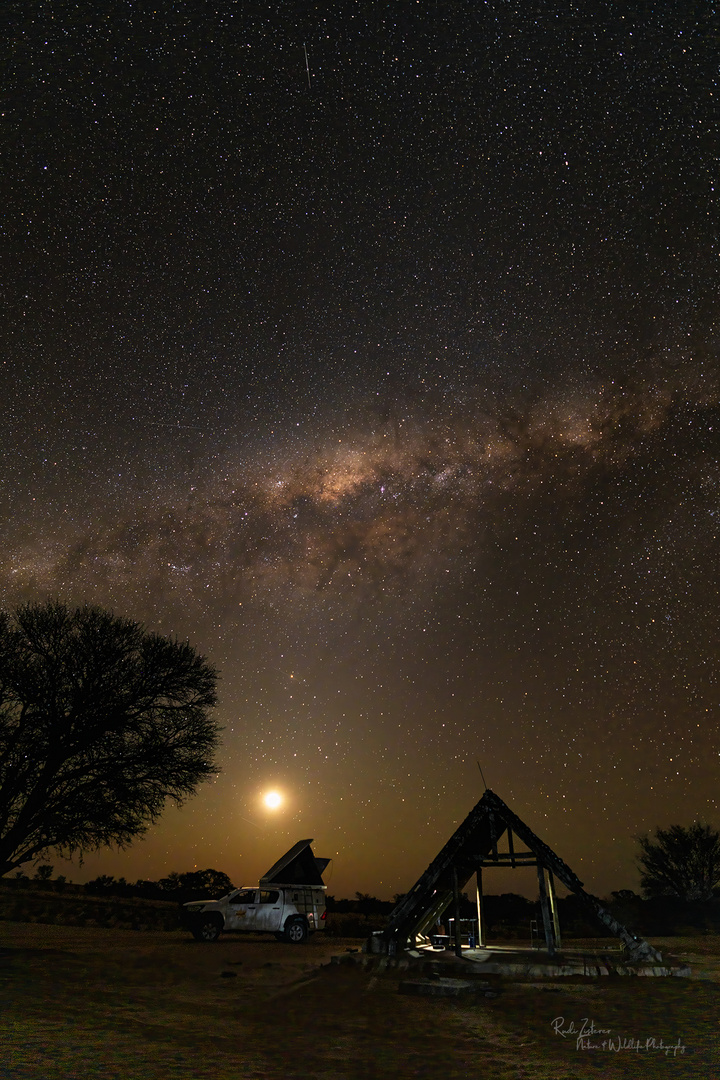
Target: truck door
<point>319,910</point>
<point>269,910</point>
<point>315,908</point>
<point>242,910</point>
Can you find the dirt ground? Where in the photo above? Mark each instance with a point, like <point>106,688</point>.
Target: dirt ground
<point>123,1005</point>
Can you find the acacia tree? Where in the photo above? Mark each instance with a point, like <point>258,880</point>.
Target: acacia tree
<point>681,862</point>
<point>100,723</point>
<point>195,884</point>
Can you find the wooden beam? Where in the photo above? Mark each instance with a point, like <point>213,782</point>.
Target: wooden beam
<point>509,866</point>
<point>507,856</point>
<point>493,833</point>
<point>545,908</point>
<point>553,906</point>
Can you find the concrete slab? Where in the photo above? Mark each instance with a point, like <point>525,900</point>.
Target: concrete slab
<point>446,987</point>
<point>538,965</point>
<point>494,962</point>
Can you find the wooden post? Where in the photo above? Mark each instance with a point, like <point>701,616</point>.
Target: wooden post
<point>456,913</point>
<point>553,908</point>
<point>493,834</point>
<point>480,912</point>
<point>545,908</point>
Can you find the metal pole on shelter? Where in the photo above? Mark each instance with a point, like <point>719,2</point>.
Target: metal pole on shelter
<point>456,913</point>
<point>480,911</point>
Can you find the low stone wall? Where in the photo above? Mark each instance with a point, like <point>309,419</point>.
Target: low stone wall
<point>35,905</point>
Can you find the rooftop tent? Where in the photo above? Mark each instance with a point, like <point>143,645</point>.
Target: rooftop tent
<point>298,866</point>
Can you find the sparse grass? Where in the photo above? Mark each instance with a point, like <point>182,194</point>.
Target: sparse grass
<point>92,1002</point>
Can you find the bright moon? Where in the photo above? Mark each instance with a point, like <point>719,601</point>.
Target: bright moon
<point>272,800</point>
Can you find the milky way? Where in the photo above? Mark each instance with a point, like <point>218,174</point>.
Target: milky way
<point>385,508</point>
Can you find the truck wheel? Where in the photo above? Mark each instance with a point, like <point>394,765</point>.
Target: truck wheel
<point>296,932</point>
<point>207,929</point>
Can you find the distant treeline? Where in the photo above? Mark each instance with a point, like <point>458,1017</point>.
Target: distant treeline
<point>507,916</point>
<point>177,888</point>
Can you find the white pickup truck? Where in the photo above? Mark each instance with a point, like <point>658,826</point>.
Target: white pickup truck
<point>289,902</point>
<point>291,912</point>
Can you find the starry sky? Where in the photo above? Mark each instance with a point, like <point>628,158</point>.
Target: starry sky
<point>373,348</point>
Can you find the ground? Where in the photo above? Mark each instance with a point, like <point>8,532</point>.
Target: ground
<point>123,1005</point>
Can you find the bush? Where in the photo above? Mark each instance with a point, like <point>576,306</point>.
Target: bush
<point>353,924</point>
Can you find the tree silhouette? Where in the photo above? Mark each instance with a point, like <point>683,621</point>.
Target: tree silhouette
<point>681,862</point>
<point>100,723</point>
<point>196,884</point>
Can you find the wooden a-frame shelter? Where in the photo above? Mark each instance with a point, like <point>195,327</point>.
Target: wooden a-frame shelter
<point>473,846</point>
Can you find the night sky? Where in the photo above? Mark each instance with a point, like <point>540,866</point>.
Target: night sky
<point>391,382</point>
